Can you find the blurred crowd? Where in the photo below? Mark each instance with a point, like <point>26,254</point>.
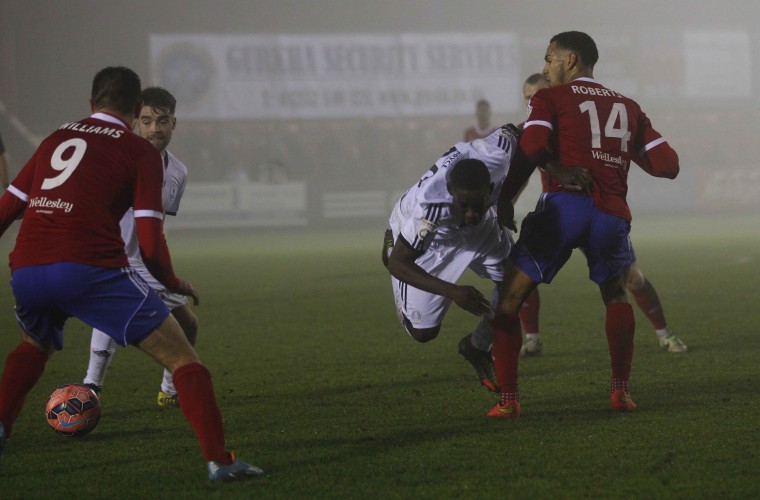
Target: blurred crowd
<point>389,153</point>
<point>371,153</point>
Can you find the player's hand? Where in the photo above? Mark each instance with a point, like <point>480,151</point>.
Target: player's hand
<point>576,179</point>
<point>471,300</point>
<point>188,290</point>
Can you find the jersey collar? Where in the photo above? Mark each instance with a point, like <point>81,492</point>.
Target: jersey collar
<point>106,117</point>
<point>585,79</point>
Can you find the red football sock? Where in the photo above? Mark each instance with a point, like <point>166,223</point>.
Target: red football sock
<point>507,341</point>
<point>650,305</point>
<point>23,368</point>
<point>529,312</point>
<point>620,327</point>
<point>196,398</point>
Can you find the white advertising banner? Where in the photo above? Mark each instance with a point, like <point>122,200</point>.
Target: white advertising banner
<point>316,76</point>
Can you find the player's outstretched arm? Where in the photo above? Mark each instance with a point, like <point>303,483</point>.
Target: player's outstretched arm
<point>155,254</point>
<point>520,170</point>
<point>402,266</point>
<point>505,214</point>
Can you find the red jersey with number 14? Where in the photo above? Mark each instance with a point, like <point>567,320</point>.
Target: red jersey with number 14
<point>77,186</point>
<point>584,124</point>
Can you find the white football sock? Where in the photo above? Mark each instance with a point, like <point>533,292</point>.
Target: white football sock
<point>663,333</point>
<point>102,349</point>
<point>167,384</point>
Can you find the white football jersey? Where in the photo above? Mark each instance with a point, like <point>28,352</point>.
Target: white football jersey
<point>175,179</point>
<point>424,211</point>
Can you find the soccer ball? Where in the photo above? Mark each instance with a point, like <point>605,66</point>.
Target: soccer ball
<point>73,410</point>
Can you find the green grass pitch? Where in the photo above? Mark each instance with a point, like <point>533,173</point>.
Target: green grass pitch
<point>319,385</point>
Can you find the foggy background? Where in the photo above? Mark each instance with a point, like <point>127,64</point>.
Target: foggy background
<point>261,150</point>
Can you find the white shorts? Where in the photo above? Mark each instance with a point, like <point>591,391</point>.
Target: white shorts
<point>172,300</point>
<point>484,254</point>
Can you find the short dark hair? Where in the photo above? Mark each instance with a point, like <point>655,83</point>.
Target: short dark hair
<point>159,98</point>
<point>117,88</point>
<point>535,78</point>
<point>469,174</point>
<point>483,102</point>
<point>580,43</point>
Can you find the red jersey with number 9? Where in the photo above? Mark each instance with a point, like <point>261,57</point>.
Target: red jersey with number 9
<point>77,186</point>
<point>584,124</point>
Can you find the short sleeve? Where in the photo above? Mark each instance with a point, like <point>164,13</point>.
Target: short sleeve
<point>418,229</point>
<point>149,179</point>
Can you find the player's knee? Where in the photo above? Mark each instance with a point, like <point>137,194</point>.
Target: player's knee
<point>634,280</point>
<point>44,347</point>
<point>613,295</point>
<point>167,345</point>
<point>516,289</point>
<point>421,335</point>
<point>510,304</point>
<point>181,359</point>
<point>424,335</point>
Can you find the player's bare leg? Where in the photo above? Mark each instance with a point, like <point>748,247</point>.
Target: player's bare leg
<point>507,339</point>
<point>619,327</point>
<point>421,335</point>
<point>167,395</point>
<point>168,345</point>
<point>649,303</point>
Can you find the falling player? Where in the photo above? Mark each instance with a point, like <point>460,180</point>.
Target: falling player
<point>443,225</point>
<point>635,281</point>
<point>69,259</point>
<point>155,123</point>
<point>583,125</point>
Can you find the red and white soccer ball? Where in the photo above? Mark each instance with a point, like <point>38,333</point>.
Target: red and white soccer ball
<point>73,410</point>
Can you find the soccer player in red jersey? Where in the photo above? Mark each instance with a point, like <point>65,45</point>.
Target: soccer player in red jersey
<point>69,259</point>
<point>482,127</point>
<point>156,123</point>
<point>635,281</point>
<point>594,132</point>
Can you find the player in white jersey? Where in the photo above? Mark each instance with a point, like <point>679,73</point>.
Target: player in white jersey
<point>155,123</point>
<point>443,225</point>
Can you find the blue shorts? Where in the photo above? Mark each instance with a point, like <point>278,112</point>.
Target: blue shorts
<point>563,222</point>
<point>115,301</point>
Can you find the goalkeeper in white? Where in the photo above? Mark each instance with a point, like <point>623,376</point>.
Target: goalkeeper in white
<point>156,124</point>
